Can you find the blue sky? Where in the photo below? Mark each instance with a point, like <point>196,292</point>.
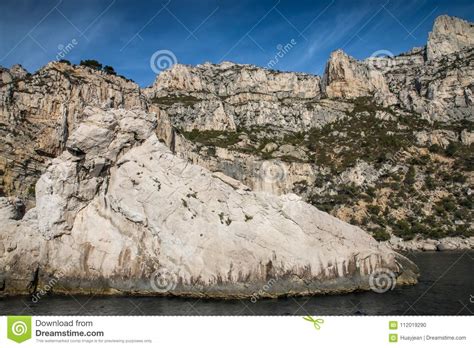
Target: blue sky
<point>126,34</point>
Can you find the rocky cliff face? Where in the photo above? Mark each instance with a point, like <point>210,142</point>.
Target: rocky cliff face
<point>385,144</point>
<point>38,111</point>
<point>346,78</point>
<point>352,142</point>
<point>147,222</point>
<point>230,96</point>
<point>449,35</point>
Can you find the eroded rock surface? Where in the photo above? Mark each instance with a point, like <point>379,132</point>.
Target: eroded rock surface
<point>183,176</point>
<point>37,113</point>
<point>151,211</point>
<point>449,35</point>
<point>383,132</point>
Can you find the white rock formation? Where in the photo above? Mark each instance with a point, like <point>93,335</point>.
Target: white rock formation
<point>449,35</point>
<point>225,96</point>
<point>146,213</point>
<point>115,206</point>
<point>467,138</point>
<point>441,138</point>
<point>347,78</point>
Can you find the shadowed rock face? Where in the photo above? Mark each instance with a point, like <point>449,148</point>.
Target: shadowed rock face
<point>145,213</point>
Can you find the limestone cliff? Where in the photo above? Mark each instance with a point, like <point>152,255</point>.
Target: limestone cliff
<point>146,221</point>
<point>346,78</point>
<point>113,184</point>
<point>38,111</point>
<point>449,35</point>
<point>354,141</point>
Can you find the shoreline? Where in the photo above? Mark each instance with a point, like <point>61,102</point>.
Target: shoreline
<point>217,296</point>
<point>283,285</point>
<point>421,245</point>
<point>445,298</point>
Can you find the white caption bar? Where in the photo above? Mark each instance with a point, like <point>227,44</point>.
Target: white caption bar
<point>383,331</point>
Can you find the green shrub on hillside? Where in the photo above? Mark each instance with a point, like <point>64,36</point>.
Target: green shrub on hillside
<point>410,176</point>
<point>452,149</point>
<point>402,229</point>
<point>380,234</point>
<point>91,63</point>
<point>109,70</point>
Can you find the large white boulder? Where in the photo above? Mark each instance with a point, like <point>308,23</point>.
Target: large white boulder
<point>150,222</point>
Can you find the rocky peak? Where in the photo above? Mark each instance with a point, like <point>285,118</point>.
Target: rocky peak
<point>347,78</point>
<point>5,76</point>
<point>449,35</point>
<point>227,96</point>
<point>18,72</point>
